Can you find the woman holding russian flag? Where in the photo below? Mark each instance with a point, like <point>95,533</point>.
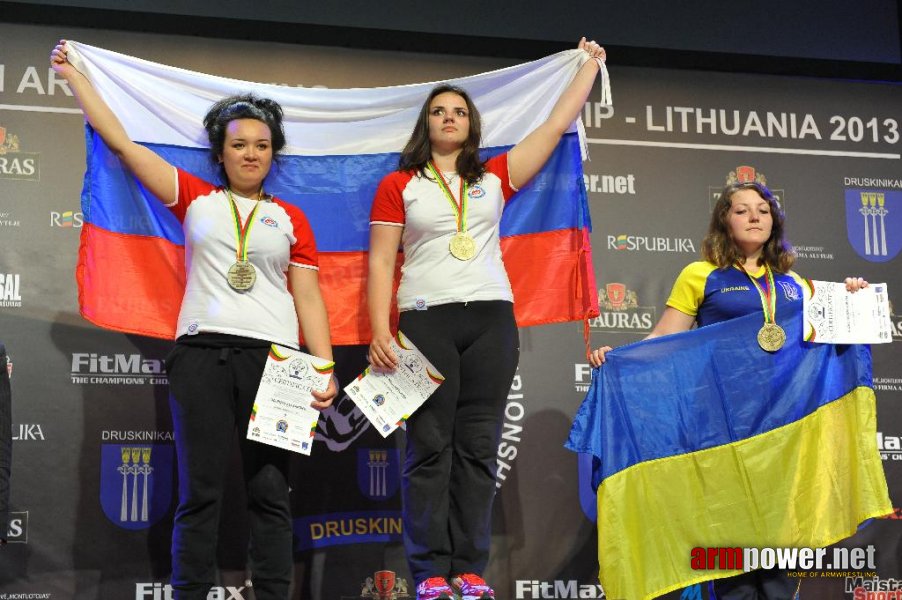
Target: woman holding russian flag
<point>746,270</point>
<point>444,206</point>
<point>251,281</point>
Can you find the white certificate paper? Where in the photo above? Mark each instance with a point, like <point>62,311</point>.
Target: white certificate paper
<point>836,316</point>
<point>388,398</point>
<point>282,415</point>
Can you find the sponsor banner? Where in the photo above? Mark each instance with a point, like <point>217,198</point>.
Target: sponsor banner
<point>17,533</point>
<point>90,368</point>
<point>611,185</point>
<point>378,472</point>
<point>7,219</point>
<point>68,219</point>
<point>619,312</point>
<point>384,585</point>
<point>645,243</point>
<point>163,591</point>
<point>874,223</point>
<point>745,174</point>
<point>511,429</point>
<point>10,290</point>
<point>890,446</point>
<point>357,527</point>
<point>15,164</point>
<point>136,483</point>
<point>28,432</point>
<point>533,589</point>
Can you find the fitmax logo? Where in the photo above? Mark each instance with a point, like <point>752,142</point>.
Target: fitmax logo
<point>158,591</point>
<point>557,589</point>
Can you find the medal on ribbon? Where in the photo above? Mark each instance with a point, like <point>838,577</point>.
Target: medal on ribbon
<point>771,336</point>
<point>462,246</point>
<point>241,275</point>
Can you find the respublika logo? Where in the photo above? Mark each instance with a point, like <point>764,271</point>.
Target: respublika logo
<point>15,164</point>
<point>639,243</point>
<point>117,369</point>
<point>66,219</point>
<point>619,311</point>
<point>874,223</point>
<point>28,432</point>
<point>746,174</point>
<point>378,472</point>
<point>10,296</point>
<point>136,483</point>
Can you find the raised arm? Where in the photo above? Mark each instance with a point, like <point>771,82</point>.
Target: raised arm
<point>153,172</point>
<point>526,158</point>
<point>384,241</point>
<point>314,322</point>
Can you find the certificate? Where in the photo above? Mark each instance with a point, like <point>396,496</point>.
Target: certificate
<point>282,415</point>
<point>834,315</point>
<point>388,398</point>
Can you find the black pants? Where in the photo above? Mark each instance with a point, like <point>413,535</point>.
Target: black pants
<point>212,393</point>
<point>761,584</point>
<point>6,444</point>
<point>452,440</point>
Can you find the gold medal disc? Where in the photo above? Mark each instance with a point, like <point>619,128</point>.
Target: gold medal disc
<point>241,276</point>
<point>462,246</point>
<point>771,337</point>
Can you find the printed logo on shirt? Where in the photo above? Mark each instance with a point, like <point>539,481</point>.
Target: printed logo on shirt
<point>744,174</point>
<point>476,192</point>
<point>136,482</point>
<point>269,221</point>
<point>735,288</point>
<point>790,291</point>
<point>15,164</point>
<point>420,304</point>
<point>874,223</point>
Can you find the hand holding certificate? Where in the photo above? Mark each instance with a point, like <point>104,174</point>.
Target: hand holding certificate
<point>282,414</point>
<point>833,315</point>
<point>388,398</point>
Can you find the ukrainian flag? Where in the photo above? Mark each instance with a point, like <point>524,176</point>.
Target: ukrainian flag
<point>702,439</point>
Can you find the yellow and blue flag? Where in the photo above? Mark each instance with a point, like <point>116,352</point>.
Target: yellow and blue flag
<point>703,439</point>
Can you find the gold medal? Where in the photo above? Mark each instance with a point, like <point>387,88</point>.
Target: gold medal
<point>241,276</point>
<point>462,246</point>
<point>771,337</point>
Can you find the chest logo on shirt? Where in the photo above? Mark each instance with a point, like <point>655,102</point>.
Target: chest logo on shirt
<point>735,288</point>
<point>476,192</point>
<point>269,221</point>
<point>790,291</point>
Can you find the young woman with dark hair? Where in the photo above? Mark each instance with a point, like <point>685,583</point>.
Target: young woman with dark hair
<point>456,305</point>
<point>244,291</point>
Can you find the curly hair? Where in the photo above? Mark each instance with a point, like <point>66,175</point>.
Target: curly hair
<point>418,150</point>
<point>718,246</point>
<point>244,106</point>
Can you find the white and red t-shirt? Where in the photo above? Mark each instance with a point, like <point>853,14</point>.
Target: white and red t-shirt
<point>430,275</point>
<point>279,237</point>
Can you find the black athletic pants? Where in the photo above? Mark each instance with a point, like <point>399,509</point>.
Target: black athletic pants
<point>213,380</point>
<point>452,440</point>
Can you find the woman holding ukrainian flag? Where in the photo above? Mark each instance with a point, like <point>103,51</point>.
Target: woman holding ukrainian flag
<point>746,270</point>
<point>444,206</point>
<point>252,281</point>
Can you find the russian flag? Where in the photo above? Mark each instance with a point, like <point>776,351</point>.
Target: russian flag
<point>341,142</point>
<point>704,440</point>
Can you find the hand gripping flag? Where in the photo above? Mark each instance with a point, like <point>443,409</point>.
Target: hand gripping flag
<point>341,142</point>
<point>703,440</point>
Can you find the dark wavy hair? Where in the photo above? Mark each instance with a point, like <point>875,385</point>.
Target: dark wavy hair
<point>243,106</point>
<point>418,150</point>
<point>718,246</point>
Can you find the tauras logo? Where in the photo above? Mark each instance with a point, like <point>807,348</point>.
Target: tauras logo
<point>15,164</point>
<point>89,367</point>
<point>557,589</point>
<point>159,591</point>
<point>24,432</point>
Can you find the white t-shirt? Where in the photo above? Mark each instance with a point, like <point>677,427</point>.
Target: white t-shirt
<point>430,275</point>
<point>280,236</point>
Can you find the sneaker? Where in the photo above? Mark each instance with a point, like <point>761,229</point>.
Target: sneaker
<point>472,587</point>
<point>434,588</point>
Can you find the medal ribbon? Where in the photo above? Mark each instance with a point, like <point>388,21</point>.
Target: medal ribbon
<point>460,210</point>
<point>241,231</point>
<point>768,297</point>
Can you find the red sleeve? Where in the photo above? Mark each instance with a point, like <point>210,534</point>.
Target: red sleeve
<point>497,166</point>
<point>388,204</point>
<point>189,188</point>
<point>303,250</point>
